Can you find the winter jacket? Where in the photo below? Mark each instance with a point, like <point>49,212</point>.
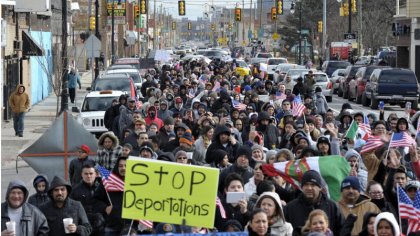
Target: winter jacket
<point>200,150</point>
<point>19,102</point>
<point>163,137</point>
<point>230,149</point>
<point>75,169</point>
<point>108,157</point>
<point>280,226</point>
<point>270,132</point>
<point>297,211</point>
<point>232,213</point>
<point>74,80</point>
<point>125,120</point>
<point>245,173</point>
<point>362,173</point>
<point>32,221</point>
<point>39,198</point>
<point>218,104</point>
<point>362,206</point>
<point>321,104</point>
<point>71,209</point>
<point>156,120</point>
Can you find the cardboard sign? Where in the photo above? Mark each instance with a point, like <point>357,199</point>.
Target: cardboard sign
<point>170,192</point>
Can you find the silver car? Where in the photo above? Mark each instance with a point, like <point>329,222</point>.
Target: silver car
<point>335,78</point>
<point>324,83</point>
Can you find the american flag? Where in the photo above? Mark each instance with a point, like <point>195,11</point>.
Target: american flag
<point>238,105</point>
<point>221,208</point>
<point>216,87</point>
<point>409,210</point>
<point>401,139</point>
<point>280,95</point>
<point>191,93</point>
<point>371,144</point>
<point>146,223</point>
<point>364,128</point>
<point>112,182</point>
<point>297,106</point>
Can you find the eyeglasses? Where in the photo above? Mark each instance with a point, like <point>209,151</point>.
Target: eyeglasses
<point>376,193</point>
<point>182,158</point>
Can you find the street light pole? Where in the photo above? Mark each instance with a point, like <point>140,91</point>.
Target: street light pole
<point>112,33</point>
<point>64,87</point>
<point>349,1</point>
<point>300,33</point>
<point>97,35</point>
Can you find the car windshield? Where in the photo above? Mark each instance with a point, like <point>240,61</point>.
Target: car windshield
<point>212,53</point>
<point>112,84</point>
<point>395,76</point>
<point>136,77</point>
<point>296,72</point>
<point>320,78</point>
<point>264,55</point>
<point>97,103</point>
<point>369,71</point>
<point>276,61</point>
<point>336,65</point>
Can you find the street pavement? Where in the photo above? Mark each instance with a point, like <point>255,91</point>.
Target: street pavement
<point>42,115</point>
<point>37,121</point>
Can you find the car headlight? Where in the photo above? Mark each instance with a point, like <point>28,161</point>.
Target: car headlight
<point>86,122</point>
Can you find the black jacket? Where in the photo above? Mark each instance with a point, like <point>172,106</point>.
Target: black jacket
<point>163,137</point>
<point>32,222</point>
<point>297,211</point>
<point>71,209</point>
<point>216,145</point>
<point>75,169</point>
<point>232,213</point>
<point>270,132</point>
<point>39,198</point>
<point>93,198</point>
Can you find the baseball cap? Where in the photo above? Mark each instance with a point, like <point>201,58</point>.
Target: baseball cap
<point>85,148</point>
<point>178,100</point>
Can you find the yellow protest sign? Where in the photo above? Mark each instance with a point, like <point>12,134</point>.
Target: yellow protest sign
<point>170,192</point>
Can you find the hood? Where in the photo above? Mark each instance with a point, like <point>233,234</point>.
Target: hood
<point>219,154</point>
<point>287,152</point>
<point>17,184</point>
<point>122,97</point>
<point>346,113</point>
<point>40,178</point>
<point>194,101</point>
<point>354,153</point>
<point>151,108</point>
<point>56,182</point>
<point>203,104</point>
<point>390,218</point>
<point>274,196</point>
<point>18,86</point>
<point>224,95</point>
<point>263,116</point>
<point>219,130</point>
<point>111,135</point>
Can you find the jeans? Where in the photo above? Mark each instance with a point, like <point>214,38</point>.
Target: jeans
<point>18,119</point>
<point>72,92</point>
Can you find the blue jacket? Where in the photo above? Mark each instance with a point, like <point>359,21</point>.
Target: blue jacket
<point>74,80</point>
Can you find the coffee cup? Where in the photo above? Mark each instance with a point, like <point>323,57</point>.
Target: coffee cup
<point>67,222</point>
<point>11,226</point>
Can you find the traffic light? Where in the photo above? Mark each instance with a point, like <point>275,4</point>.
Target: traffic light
<point>273,13</point>
<point>230,26</point>
<point>143,6</point>
<point>279,6</point>
<point>353,6</point>
<point>181,8</point>
<point>92,23</point>
<point>345,9</point>
<point>238,14</point>
<point>136,12</point>
<point>320,26</point>
<point>213,27</point>
<point>173,25</point>
<point>189,26</point>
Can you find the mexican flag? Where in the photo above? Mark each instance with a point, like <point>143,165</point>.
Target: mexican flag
<point>352,131</point>
<point>333,170</point>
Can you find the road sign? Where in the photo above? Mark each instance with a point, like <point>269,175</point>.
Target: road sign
<point>305,31</point>
<point>349,36</point>
<point>93,46</point>
<point>275,36</point>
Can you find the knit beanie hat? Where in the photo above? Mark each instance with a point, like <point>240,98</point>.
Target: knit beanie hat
<point>186,138</point>
<point>244,150</point>
<point>180,153</point>
<point>311,176</point>
<point>169,121</point>
<point>351,181</point>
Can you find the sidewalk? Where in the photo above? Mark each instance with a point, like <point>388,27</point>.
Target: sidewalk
<point>37,121</point>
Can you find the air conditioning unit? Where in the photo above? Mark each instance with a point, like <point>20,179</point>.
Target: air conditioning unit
<point>17,45</point>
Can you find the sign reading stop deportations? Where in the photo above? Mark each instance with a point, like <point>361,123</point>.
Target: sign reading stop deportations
<point>170,192</point>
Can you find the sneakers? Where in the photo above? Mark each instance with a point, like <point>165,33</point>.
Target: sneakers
<point>20,135</point>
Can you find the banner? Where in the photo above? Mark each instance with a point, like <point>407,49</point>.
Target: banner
<point>170,192</point>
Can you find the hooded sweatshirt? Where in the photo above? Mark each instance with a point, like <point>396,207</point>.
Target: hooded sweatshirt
<point>29,219</point>
<point>19,102</point>
<point>362,173</point>
<point>278,225</point>
<point>152,117</point>
<point>71,209</point>
<point>39,198</point>
<point>391,219</point>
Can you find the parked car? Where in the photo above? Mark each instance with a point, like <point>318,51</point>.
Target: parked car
<point>343,89</point>
<point>282,69</point>
<point>329,67</point>
<point>272,64</point>
<point>133,73</point>
<point>92,111</point>
<point>117,82</point>
<point>358,85</point>
<point>393,86</point>
<point>261,57</point>
<point>128,61</point>
<point>335,78</point>
<point>324,83</point>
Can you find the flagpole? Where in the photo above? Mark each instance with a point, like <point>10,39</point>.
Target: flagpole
<point>109,199</point>
<point>399,212</point>
<point>131,226</point>
<point>389,147</point>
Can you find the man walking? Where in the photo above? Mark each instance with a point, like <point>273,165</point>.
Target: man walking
<point>74,80</point>
<point>61,207</point>
<point>28,219</point>
<point>19,103</point>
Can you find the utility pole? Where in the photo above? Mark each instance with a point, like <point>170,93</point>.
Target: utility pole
<point>112,33</point>
<point>324,28</point>
<point>243,22</point>
<point>300,33</point>
<point>154,25</point>
<point>97,35</point>
<point>359,36</point>
<point>350,13</point>
<point>64,87</point>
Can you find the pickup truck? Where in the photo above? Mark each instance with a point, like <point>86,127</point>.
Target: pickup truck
<point>393,86</point>
<point>261,58</point>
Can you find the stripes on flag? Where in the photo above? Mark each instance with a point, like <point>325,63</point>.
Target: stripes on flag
<point>414,224</point>
<point>401,139</point>
<point>216,87</point>
<point>112,182</point>
<point>364,128</point>
<point>297,106</point>
<point>221,208</point>
<point>238,105</point>
<point>409,209</point>
<point>371,144</point>
<point>147,223</point>
<point>280,95</point>
<point>191,93</point>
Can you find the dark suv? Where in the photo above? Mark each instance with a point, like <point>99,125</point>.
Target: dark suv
<point>393,86</point>
<point>328,67</point>
<point>349,77</point>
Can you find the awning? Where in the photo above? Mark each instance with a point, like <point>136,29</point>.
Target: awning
<point>30,47</point>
